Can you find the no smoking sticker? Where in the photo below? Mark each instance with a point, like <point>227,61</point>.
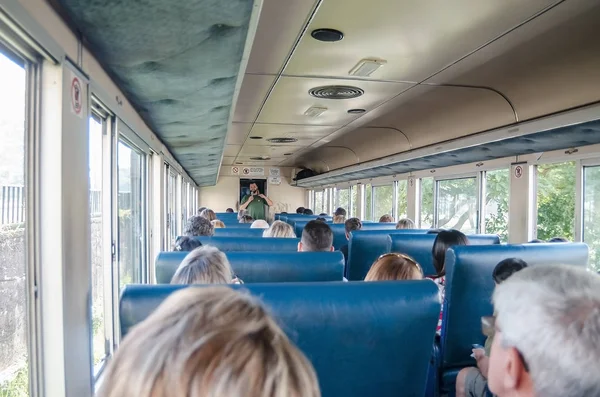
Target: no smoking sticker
<point>76,97</point>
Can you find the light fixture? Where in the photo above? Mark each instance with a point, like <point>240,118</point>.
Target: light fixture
<point>315,111</point>
<point>256,137</point>
<point>366,67</point>
<point>261,158</point>
<point>282,140</point>
<point>356,111</point>
<point>327,35</point>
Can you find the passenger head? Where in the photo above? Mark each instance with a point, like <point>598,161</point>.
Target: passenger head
<point>405,223</point>
<point>241,214</point>
<point>386,219</point>
<point>198,226</point>
<point>558,240</point>
<point>246,219</point>
<point>185,243</point>
<point>536,241</point>
<point>308,211</point>
<point>506,268</point>
<point>339,219</point>
<point>444,240</point>
<point>316,236</point>
<point>259,224</point>
<point>211,341</point>
<point>351,225</point>
<point>204,265</point>
<point>209,214</point>
<point>300,210</point>
<point>217,224</point>
<point>320,219</point>
<point>546,326</point>
<point>200,210</point>
<point>340,211</point>
<point>280,229</point>
<point>229,210</point>
<point>394,267</point>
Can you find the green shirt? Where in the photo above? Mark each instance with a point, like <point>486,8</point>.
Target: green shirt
<point>256,208</point>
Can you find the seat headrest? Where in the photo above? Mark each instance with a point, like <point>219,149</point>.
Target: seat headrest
<point>266,267</point>
<point>226,244</point>
<point>363,339</point>
<point>238,232</point>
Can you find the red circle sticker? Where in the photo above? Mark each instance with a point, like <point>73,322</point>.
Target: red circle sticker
<point>76,95</point>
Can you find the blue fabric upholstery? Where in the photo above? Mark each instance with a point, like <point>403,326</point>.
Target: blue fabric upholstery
<point>266,267</point>
<point>292,218</point>
<point>237,225</point>
<point>419,246</point>
<point>469,287</point>
<point>364,339</point>
<point>251,243</point>
<point>238,232</point>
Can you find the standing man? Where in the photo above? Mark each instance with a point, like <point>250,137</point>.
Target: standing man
<point>255,203</point>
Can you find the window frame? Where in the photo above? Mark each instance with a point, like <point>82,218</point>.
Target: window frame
<point>478,185</point>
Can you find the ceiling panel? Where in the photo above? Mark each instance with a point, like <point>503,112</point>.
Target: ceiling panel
<point>271,151</point>
<point>290,99</point>
<point>417,38</point>
<point>305,134</point>
<point>237,133</point>
<point>231,150</point>
<point>228,160</point>
<point>252,95</point>
<point>248,161</point>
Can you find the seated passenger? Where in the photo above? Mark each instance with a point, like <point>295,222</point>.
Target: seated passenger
<point>536,241</point>
<point>211,341</point>
<point>546,328</point>
<point>200,210</point>
<point>444,240</point>
<point>558,240</point>
<point>229,210</point>
<point>217,224</point>
<point>405,223</point>
<point>322,214</point>
<point>386,219</point>
<point>246,219</point>
<point>340,212</point>
<point>339,219</point>
<point>209,214</point>
<point>280,229</point>
<point>185,243</point>
<point>198,226</point>
<point>308,211</point>
<point>204,265</point>
<point>320,219</point>
<point>300,210</point>
<point>259,224</point>
<point>241,214</point>
<point>316,237</point>
<point>394,266</point>
<point>350,225</point>
<point>471,381</point>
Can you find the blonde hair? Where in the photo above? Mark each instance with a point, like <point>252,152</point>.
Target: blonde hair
<point>213,342</point>
<point>204,265</point>
<point>259,224</point>
<point>405,223</point>
<point>217,224</point>
<point>394,267</point>
<point>280,229</point>
<point>339,219</point>
<point>386,218</point>
<point>209,214</point>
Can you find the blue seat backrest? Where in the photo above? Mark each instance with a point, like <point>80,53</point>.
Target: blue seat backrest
<point>237,225</point>
<point>419,246</point>
<point>291,219</point>
<point>390,355</point>
<point>238,232</point>
<point>469,287</point>
<point>226,216</point>
<point>266,267</point>
<point>251,243</point>
<point>366,246</point>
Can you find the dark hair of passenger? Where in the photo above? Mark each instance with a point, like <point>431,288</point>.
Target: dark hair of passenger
<point>558,240</point>
<point>506,268</point>
<point>229,210</point>
<point>300,210</point>
<point>284,213</point>
<point>352,224</point>
<point>340,211</point>
<point>444,240</point>
<point>201,209</point>
<point>308,211</point>
<point>536,241</point>
<point>316,236</point>
<point>198,226</point>
<point>434,231</point>
<point>185,243</point>
<point>386,219</point>
<point>320,219</point>
<point>246,219</point>
<point>322,214</point>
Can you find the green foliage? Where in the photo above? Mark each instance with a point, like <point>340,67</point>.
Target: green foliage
<point>402,199</point>
<point>343,199</point>
<point>368,206</point>
<point>556,200</point>
<point>426,203</point>
<point>496,203</point>
<point>354,212</point>
<point>18,386</point>
<point>591,214</point>
<point>383,198</point>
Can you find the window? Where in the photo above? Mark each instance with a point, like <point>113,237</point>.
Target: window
<point>383,201</point>
<point>171,202</point>
<point>354,201</point>
<point>591,214</point>
<point>343,199</point>
<point>368,203</point>
<point>184,201</point>
<point>131,214</point>
<point>497,191</point>
<point>14,380</point>
<point>426,216</point>
<point>319,201</point>
<point>401,199</point>
<point>457,204</point>
<point>556,200</point>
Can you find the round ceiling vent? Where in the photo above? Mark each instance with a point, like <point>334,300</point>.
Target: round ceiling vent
<point>282,140</point>
<point>256,137</point>
<point>287,154</point>
<point>356,111</point>
<point>260,158</point>
<point>336,92</point>
<point>328,35</point>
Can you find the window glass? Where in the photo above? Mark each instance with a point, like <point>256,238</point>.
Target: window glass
<point>368,203</point>
<point>13,288</point>
<point>354,196</point>
<point>172,207</point>
<point>131,207</point>
<point>319,197</point>
<point>556,200</point>
<point>402,191</point>
<point>591,214</point>
<point>95,169</point>
<point>383,199</point>
<point>343,199</point>
<point>426,218</point>
<point>496,203</point>
<point>184,201</point>
<point>457,204</point>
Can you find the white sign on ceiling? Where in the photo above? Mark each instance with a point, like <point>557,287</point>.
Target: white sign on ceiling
<point>253,171</point>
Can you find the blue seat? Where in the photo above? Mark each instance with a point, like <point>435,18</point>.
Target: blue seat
<point>238,232</point>
<point>419,246</point>
<point>227,216</point>
<point>237,225</point>
<point>266,267</point>
<point>292,218</point>
<point>226,244</point>
<point>363,339</point>
<point>469,287</point>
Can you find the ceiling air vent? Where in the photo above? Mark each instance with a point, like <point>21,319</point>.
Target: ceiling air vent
<point>336,92</point>
<point>260,158</point>
<point>282,140</point>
